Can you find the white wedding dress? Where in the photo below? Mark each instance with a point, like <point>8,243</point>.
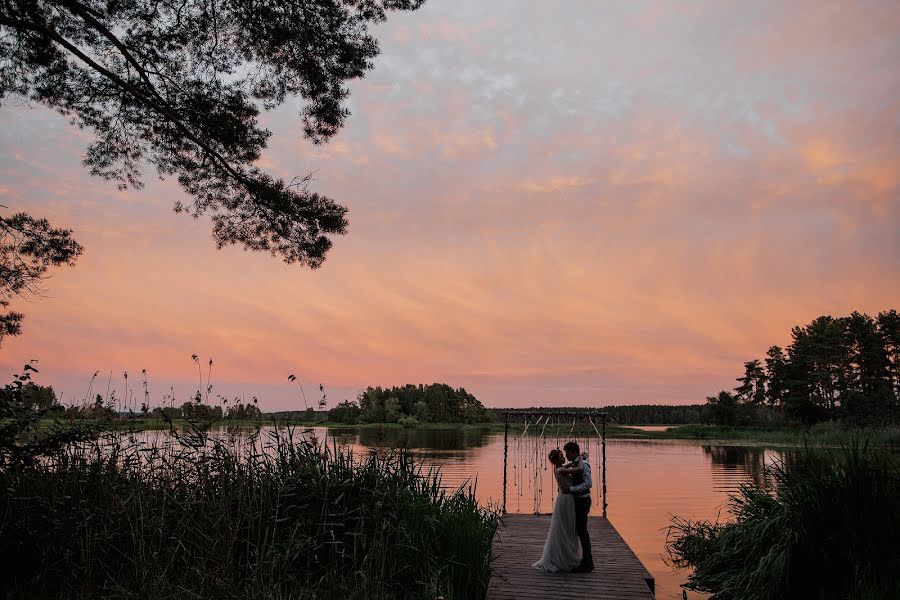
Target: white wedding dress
<point>561,550</point>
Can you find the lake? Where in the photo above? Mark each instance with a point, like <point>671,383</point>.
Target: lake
<point>647,481</point>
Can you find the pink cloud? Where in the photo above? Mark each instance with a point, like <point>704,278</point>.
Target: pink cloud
<point>699,184</point>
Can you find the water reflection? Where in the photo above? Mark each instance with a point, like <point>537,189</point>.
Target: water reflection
<point>647,480</point>
<point>425,439</point>
<point>740,464</point>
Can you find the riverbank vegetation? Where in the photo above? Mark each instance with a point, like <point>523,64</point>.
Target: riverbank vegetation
<point>633,414</point>
<point>838,378</point>
<point>407,406</point>
<point>412,404</point>
<point>270,515</point>
<point>827,433</point>
<point>825,526</point>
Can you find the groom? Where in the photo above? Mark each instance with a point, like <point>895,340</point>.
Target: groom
<point>581,490</point>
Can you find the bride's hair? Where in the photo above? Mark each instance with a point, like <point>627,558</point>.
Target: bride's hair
<point>554,455</point>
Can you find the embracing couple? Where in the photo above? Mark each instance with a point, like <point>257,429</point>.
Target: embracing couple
<point>568,524</point>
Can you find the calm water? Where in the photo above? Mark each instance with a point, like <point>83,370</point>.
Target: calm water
<point>650,427</point>
<point>647,481</point>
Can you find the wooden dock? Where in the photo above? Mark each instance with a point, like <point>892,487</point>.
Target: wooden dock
<point>618,574</point>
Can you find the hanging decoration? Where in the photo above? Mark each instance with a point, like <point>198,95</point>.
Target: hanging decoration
<point>530,463</point>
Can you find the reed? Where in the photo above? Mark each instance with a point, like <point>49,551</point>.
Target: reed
<point>826,526</point>
<point>273,515</point>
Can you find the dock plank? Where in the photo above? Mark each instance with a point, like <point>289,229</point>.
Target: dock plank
<point>618,574</point>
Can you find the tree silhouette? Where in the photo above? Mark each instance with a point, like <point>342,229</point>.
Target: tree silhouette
<point>834,368</point>
<point>753,383</point>
<point>437,402</point>
<point>179,84</point>
<point>28,248</point>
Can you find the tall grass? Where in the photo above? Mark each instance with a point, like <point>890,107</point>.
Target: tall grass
<point>827,527</point>
<point>272,516</point>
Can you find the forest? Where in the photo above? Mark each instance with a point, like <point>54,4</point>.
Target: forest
<point>411,404</point>
<point>839,369</point>
<point>632,414</point>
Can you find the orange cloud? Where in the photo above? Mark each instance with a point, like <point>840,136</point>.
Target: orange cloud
<point>699,185</point>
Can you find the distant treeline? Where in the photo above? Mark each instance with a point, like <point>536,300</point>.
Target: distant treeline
<point>297,415</point>
<point>31,397</point>
<point>34,397</point>
<point>845,368</point>
<point>656,414</point>
<point>411,404</point>
<point>634,414</point>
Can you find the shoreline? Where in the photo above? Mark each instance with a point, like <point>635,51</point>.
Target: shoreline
<point>820,434</point>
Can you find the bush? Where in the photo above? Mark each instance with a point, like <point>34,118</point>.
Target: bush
<point>345,412</point>
<point>23,441</point>
<point>825,527</point>
<point>409,422</point>
<point>436,402</point>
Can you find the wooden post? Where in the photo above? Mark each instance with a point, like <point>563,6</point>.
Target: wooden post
<point>505,452</point>
<point>603,443</point>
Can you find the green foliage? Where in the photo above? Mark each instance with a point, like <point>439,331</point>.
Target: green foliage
<point>724,409</point>
<point>728,410</point>
<point>435,403</point>
<point>264,518</point>
<point>166,412</point>
<point>408,422</point>
<point>346,412</point>
<point>196,410</point>
<point>420,410</point>
<point>392,410</point>
<point>753,384</point>
<point>825,527</point>
<point>844,368</point>
<point>22,406</point>
<point>36,397</point>
<point>100,410</point>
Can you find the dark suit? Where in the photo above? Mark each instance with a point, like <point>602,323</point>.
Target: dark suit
<point>582,508</point>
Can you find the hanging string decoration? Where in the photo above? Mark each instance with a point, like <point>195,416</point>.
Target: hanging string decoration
<point>521,463</point>
<point>536,466</point>
<point>596,453</point>
<point>530,449</point>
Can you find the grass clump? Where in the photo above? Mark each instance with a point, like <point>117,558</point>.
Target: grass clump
<point>260,517</point>
<point>824,527</point>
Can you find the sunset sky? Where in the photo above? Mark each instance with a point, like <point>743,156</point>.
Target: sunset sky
<point>551,203</point>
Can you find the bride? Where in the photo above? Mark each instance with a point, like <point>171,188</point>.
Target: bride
<point>561,548</point>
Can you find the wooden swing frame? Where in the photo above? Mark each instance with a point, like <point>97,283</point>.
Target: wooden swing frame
<point>541,413</point>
